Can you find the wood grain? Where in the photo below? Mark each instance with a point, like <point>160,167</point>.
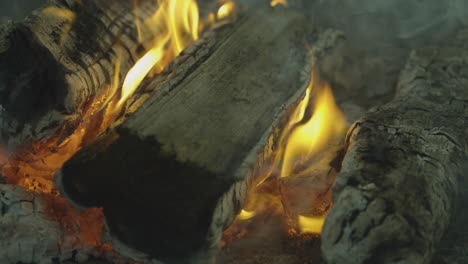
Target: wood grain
<point>57,61</point>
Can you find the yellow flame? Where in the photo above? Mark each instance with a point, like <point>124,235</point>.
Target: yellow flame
<point>311,225</point>
<point>177,23</point>
<point>315,124</point>
<point>279,2</point>
<point>310,136</point>
<point>245,215</point>
<point>138,72</point>
<point>225,10</point>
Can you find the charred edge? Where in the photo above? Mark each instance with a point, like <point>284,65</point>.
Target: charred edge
<point>32,81</point>
<point>152,201</point>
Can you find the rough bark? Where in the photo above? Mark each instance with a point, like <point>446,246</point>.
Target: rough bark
<point>398,187</point>
<point>175,173</point>
<point>53,64</point>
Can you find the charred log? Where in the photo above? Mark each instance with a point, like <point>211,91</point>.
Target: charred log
<point>53,64</point>
<point>175,173</point>
<point>398,186</point>
<point>31,234</point>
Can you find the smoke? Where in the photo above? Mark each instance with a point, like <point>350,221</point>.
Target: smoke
<point>380,20</point>
<point>379,35</point>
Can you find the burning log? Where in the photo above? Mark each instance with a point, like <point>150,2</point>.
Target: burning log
<point>58,62</point>
<point>174,174</point>
<point>398,186</point>
<point>34,230</point>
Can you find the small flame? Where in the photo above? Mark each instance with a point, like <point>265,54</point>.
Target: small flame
<point>178,25</point>
<point>245,215</point>
<point>225,10</point>
<point>138,72</point>
<point>314,126</point>
<point>279,2</point>
<point>312,135</point>
<point>311,225</point>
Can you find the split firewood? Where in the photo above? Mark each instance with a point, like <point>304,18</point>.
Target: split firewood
<point>174,174</point>
<point>57,62</point>
<point>398,185</point>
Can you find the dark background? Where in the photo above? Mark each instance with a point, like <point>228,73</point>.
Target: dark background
<point>17,9</point>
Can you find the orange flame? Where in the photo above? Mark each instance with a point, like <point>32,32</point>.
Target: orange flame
<point>138,72</point>
<point>315,124</point>
<point>178,23</point>
<point>310,136</point>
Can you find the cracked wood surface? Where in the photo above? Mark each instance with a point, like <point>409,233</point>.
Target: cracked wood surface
<point>27,234</point>
<point>399,184</point>
<point>58,60</point>
<point>31,231</point>
<point>175,173</point>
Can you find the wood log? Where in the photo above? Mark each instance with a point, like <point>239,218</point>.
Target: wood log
<point>175,173</point>
<point>398,186</point>
<point>56,62</point>
<point>30,234</point>
<point>35,230</point>
<point>27,235</point>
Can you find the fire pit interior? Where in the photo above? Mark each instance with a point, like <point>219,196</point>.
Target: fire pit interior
<point>233,131</point>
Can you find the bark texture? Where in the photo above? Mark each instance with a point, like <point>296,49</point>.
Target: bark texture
<point>175,173</point>
<point>399,183</point>
<point>57,61</point>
